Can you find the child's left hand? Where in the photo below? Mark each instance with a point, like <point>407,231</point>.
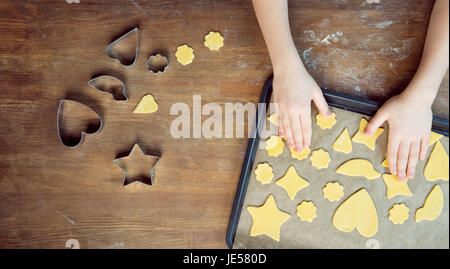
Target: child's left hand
<point>409,119</point>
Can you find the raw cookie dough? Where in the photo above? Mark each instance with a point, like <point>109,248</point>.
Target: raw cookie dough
<point>326,123</point>
<point>300,156</point>
<point>291,182</point>
<point>306,211</point>
<point>185,54</point>
<point>369,141</point>
<point>333,191</point>
<point>395,187</point>
<point>213,40</point>
<point>358,167</point>
<point>434,137</point>
<point>437,165</point>
<point>273,119</point>
<point>343,142</point>
<point>399,213</point>
<point>264,173</point>
<point>320,159</point>
<point>432,207</point>
<point>146,105</point>
<point>267,219</point>
<point>357,211</point>
<point>274,146</point>
<point>385,163</point>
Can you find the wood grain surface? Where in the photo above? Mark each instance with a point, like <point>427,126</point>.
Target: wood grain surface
<point>49,49</point>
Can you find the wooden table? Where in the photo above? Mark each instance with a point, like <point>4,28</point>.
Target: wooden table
<point>49,49</point>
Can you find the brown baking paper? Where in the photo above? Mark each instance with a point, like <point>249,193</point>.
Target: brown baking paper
<point>320,233</point>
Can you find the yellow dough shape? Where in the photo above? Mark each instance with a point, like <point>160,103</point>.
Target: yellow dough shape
<point>274,146</point>
<point>357,211</point>
<point>291,182</point>
<point>358,167</point>
<point>437,165</point>
<point>185,54</point>
<point>213,40</point>
<point>320,159</point>
<point>300,155</point>
<point>432,207</point>
<point>369,141</point>
<point>264,173</point>
<point>385,163</point>
<point>326,123</point>
<point>146,105</point>
<point>399,213</point>
<point>395,187</point>
<point>434,137</point>
<point>333,191</point>
<point>306,211</point>
<point>273,119</point>
<point>267,219</point>
<point>343,142</point>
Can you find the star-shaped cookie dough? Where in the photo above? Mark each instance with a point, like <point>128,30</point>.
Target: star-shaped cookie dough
<point>137,166</point>
<point>267,219</point>
<point>292,182</point>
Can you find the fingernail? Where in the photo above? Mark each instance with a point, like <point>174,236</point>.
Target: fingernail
<point>297,149</point>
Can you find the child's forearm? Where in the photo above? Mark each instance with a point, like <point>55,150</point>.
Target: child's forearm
<point>435,57</point>
<point>273,20</point>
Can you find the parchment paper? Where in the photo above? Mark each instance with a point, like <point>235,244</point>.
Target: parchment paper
<point>320,233</point>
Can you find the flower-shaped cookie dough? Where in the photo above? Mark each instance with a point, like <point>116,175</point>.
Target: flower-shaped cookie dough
<point>274,146</point>
<point>264,173</point>
<point>306,211</point>
<point>326,123</point>
<point>320,159</point>
<point>299,155</point>
<point>213,40</point>
<point>333,191</point>
<point>184,54</point>
<point>398,214</point>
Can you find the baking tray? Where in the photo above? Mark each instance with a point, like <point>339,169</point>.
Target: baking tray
<point>338,100</point>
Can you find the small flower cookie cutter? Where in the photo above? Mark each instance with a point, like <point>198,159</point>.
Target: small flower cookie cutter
<point>151,67</point>
<point>92,82</point>
<point>115,42</point>
<point>59,121</point>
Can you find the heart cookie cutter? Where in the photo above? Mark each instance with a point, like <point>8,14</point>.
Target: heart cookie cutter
<point>109,48</point>
<point>92,83</point>
<point>60,125</point>
<point>151,66</point>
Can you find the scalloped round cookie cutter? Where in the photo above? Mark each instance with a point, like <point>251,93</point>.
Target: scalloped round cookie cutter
<point>118,40</point>
<point>59,123</point>
<point>91,83</point>
<point>149,63</point>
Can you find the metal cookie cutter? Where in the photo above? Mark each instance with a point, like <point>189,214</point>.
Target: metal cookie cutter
<point>104,89</point>
<point>157,63</point>
<point>109,48</point>
<point>60,121</point>
<point>137,150</point>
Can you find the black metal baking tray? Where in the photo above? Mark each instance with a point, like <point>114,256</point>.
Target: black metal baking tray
<point>334,99</point>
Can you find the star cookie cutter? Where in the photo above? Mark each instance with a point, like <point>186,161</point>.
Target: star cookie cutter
<point>127,181</point>
<point>102,88</point>
<point>157,63</point>
<point>60,121</point>
<point>110,47</point>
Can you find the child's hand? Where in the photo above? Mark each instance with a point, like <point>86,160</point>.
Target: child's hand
<point>409,132</point>
<point>294,89</point>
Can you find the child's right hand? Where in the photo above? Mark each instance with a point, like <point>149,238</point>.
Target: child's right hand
<point>294,89</point>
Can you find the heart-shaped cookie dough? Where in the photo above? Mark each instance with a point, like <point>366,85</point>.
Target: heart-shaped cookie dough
<point>357,211</point>
<point>75,120</point>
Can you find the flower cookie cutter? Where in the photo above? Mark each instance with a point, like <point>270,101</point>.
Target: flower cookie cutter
<point>157,63</point>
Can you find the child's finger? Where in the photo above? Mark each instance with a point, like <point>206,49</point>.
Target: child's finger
<point>321,103</point>
<point>380,117</point>
<point>296,131</point>
<point>279,124</point>
<point>305,119</point>
<point>402,160</point>
<point>288,131</point>
<point>424,146</point>
<point>413,157</point>
<point>393,144</point>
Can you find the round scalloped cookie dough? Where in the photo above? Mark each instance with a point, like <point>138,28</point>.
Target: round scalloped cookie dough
<point>299,155</point>
<point>325,123</point>
<point>264,173</point>
<point>398,214</point>
<point>213,40</point>
<point>333,191</point>
<point>320,159</point>
<point>306,211</point>
<point>185,54</point>
<point>274,146</point>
